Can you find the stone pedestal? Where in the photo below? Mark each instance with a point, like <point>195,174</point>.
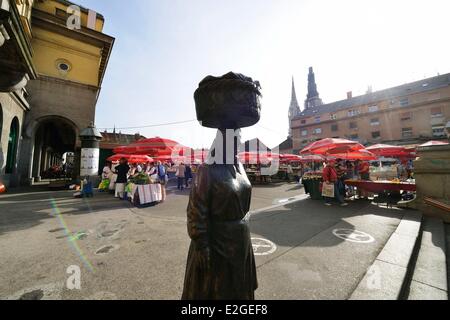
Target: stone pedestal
<point>432,174</point>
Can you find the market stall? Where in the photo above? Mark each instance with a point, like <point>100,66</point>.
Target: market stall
<point>141,190</point>
<point>254,163</point>
<point>389,192</point>
<point>378,187</point>
<point>312,183</point>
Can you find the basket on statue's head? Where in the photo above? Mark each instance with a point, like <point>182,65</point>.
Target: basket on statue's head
<point>228,102</point>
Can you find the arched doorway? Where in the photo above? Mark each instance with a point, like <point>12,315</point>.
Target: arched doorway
<point>54,138</point>
<point>13,141</point>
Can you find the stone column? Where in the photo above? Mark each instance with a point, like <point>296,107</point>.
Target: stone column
<point>90,152</point>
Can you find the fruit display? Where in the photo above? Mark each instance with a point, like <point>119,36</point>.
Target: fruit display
<point>140,179</point>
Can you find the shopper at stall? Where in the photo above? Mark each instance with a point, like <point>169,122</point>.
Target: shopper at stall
<point>363,168</point>
<point>162,177</point>
<point>122,178</point>
<point>350,175</point>
<point>341,172</point>
<point>330,176</point>
<point>180,174</point>
<point>409,169</point>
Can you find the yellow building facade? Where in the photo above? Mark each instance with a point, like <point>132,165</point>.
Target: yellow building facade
<point>68,54</point>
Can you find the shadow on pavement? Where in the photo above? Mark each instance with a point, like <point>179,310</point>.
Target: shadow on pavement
<point>24,211</point>
<point>295,223</point>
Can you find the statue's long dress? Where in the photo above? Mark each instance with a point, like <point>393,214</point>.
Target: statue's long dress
<point>219,201</point>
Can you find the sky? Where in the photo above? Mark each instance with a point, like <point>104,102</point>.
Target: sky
<point>164,48</point>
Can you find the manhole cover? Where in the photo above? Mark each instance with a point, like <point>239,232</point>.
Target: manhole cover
<point>263,247</point>
<point>353,236</point>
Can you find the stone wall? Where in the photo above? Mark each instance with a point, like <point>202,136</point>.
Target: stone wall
<point>57,100</point>
<point>10,108</point>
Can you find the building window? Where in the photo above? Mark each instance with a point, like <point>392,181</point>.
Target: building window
<point>317,131</point>
<point>374,122</point>
<point>63,66</point>
<point>373,108</point>
<point>436,112</point>
<point>352,113</point>
<point>334,127</point>
<point>354,137</point>
<point>61,14</point>
<point>439,131</point>
<point>376,135</point>
<point>406,116</point>
<point>353,125</point>
<point>303,122</point>
<point>304,133</point>
<point>333,116</point>
<point>317,119</point>
<point>404,102</point>
<point>407,132</point>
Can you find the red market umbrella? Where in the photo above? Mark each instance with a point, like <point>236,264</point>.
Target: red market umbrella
<point>385,150</point>
<point>132,158</point>
<point>255,158</point>
<point>331,145</point>
<point>355,155</point>
<point>290,158</point>
<point>434,143</point>
<point>312,158</point>
<point>154,146</point>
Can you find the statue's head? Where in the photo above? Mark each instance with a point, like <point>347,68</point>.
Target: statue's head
<point>228,102</point>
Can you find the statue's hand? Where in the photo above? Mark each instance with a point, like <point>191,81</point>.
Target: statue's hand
<point>204,259</point>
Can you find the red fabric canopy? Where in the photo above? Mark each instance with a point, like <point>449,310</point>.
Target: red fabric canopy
<point>255,158</point>
<point>385,150</point>
<point>132,158</point>
<point>312,158</point>
<point>355,155</point>
<point>434,143</point>
<point>290,158</point>
<point>154,147</point>
<point>331,146</point>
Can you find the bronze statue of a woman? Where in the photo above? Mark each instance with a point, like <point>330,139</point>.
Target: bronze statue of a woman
<point>221,264</point>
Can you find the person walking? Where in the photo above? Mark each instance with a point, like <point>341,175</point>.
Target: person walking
<point>330,177</point>
<point>289,172</point>
<point>188,175</point>
<point>180,174</point>
<point>122,178</point>
<point>162,177</point>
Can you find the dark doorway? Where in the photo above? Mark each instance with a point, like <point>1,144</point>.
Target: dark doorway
<point>54,138</point>
<point>13,141</point>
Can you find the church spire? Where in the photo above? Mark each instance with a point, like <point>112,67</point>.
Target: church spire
<point>294,108</point>
<point>312,99</point>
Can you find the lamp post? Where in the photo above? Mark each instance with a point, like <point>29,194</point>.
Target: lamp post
<point>90,151</point>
